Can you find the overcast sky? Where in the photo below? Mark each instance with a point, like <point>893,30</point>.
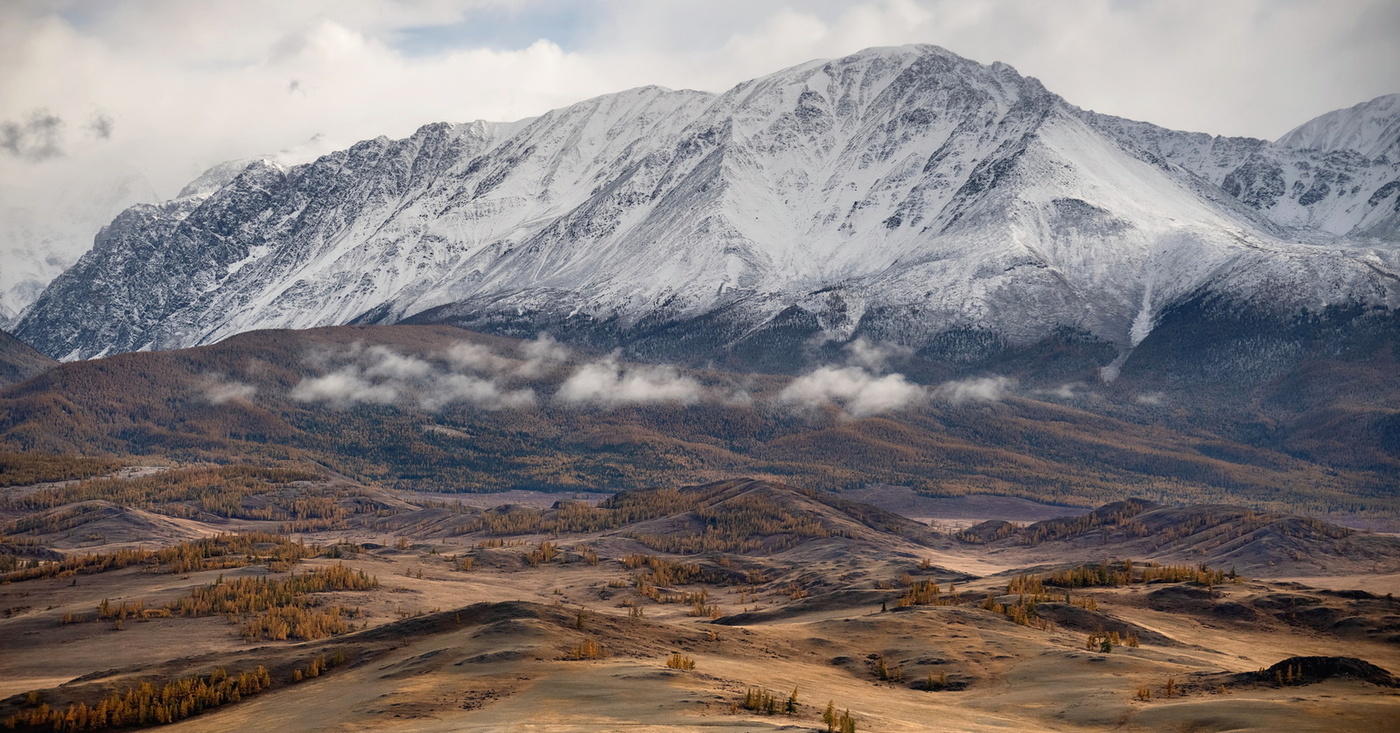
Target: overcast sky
<point>169,87</point>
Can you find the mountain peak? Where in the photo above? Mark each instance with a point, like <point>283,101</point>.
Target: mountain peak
<point>902,192</point>
<point>1370,128</point>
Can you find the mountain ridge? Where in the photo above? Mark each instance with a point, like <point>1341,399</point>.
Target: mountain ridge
<point>1370,128</point>
<point>904,194</point>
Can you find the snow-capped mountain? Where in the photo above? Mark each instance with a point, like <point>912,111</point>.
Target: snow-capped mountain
<point>43,231</point>
<point>1371,129</point>
<point>905,194</point>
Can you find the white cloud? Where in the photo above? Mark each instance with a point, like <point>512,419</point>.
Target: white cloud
<point>478,358</point>
<point>218,390</point>
<point>854,389</point>
<point>452,389</point>
<point>1068,391</point>
<point>344,388</point>
<point>874,356</point>
<point>542,355</point>
<point>608,384</point>
<point>389,364</point>
<point>977,389</point>
<point>380,375</point>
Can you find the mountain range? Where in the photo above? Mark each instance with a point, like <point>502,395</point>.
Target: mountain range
<point>902,195</point>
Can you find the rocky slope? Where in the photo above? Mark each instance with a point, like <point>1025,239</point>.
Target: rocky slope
<point>902,194</point>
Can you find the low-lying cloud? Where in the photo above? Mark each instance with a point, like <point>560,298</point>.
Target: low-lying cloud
<point>853,389</point>
<point>874,356</point>
<point>461,389</point>
<point>218,390</point>
<point>977,389</point>
<point>379,375</point>
<point>477,375</point>
<point>862,387</point>
<point>388,364</point>
<point>478,358</point>
<point>542,355</point>
<point>607,383</point>
<point>345,387</point>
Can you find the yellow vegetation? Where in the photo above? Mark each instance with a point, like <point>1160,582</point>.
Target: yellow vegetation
<point>23,469</point>
<point>1126,573</point>
<point>680,661</point>
<point>281,607</point>
<point>587,649</point>
<point>210,553</point>
<point>147,704</point>
<point>225,491</point>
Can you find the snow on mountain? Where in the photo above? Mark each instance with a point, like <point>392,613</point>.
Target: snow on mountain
<point>906,194</point>
<point>1371,129</point>
<point>1332,193</point>
<point>42,234</point>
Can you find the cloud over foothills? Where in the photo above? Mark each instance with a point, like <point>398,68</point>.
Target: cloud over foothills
<point>861,393</point>
<point>219,390</point>
<point>977,389</point>
<point>381,376</point>
<point>542,355</point>
<point>873,356</point>
<point>854,390</point>
<point>478,358</point>
<point>476,375</point>
<point>1063,392</point>
<point>861,387</point>
<point>606,383</point>
<point>454,389</point>
<point>344,388</point>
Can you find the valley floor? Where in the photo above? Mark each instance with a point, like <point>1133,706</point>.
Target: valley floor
<point>492,648</point>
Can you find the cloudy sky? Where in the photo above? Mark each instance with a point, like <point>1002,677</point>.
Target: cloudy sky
<point>169,87</point>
